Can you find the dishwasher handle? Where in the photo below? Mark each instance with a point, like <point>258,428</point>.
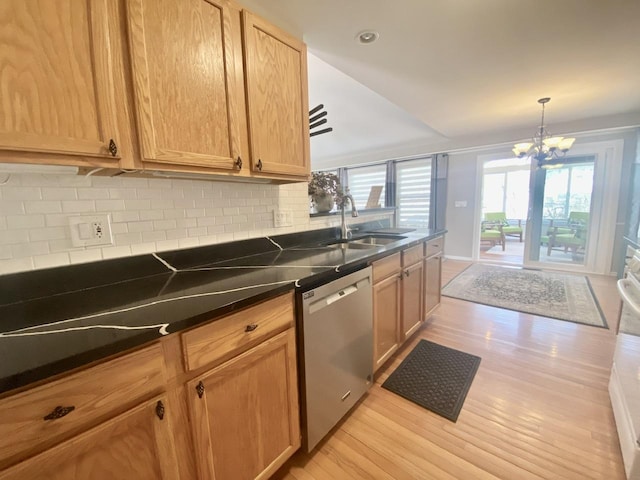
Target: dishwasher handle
<point>334,297</point>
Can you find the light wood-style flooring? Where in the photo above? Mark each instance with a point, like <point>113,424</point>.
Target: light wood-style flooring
<point>538,406</point>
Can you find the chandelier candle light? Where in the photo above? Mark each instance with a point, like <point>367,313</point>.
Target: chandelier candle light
<point>546,149</point>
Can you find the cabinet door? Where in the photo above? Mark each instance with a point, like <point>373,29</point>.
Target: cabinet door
<point>433,278</point>
<point>277,103</point>
<point>137,444</point>
<point>56,77</point>
<point>386,319</point>
<point>183,72</point>
<point>245,412</point>
<point>412,299</point>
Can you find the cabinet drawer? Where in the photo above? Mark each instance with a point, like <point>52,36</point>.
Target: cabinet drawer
<point>237,332</point>
<point>412,255</point>
<point>434,246</point>
<point>386,266</point>
<point>34,419</point>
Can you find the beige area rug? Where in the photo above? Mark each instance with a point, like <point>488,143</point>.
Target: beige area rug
<point>552,295</point>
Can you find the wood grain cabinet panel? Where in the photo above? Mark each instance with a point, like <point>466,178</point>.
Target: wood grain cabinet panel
<point>433,283</point>
<point>235,333</point>
<point>245,412</point>
<point>135,445</point>
<point>57,78</point>
<point>277,103</point>
<point>386,318</point>
<point>184,81</point>
<point>412,304</point>
<point>88,396</point>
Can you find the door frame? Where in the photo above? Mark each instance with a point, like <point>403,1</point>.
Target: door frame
<point>604,207</point>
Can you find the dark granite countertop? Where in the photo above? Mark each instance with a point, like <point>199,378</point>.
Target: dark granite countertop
<point>58,319</point>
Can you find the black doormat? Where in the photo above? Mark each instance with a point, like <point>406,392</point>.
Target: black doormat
<point>435,377</point>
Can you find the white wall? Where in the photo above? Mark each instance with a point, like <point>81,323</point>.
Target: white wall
<point>148,215</point>
<point>464,181</point>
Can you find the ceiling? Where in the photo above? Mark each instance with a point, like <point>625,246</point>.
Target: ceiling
<point>449,74</point>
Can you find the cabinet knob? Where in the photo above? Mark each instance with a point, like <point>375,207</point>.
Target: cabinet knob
<point>113,148</point>
<point>238,163</point>
<point>59,412</point>
<point>407,273</point>
<point>160,410</point>
<point>200,389</point>
<point>259,165</point>
<point>251,328</point>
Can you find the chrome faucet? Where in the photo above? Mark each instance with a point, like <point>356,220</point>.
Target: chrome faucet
<point>345,232</point>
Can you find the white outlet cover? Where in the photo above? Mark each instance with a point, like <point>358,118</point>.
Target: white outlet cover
<point>89,230</point>
<point>282,218</point>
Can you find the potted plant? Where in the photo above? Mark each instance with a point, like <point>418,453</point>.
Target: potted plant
<point>324,190</point>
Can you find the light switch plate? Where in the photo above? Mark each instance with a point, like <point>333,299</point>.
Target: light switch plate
<point>460,203</point>
<point>282,218</point>
<point>88,230</point>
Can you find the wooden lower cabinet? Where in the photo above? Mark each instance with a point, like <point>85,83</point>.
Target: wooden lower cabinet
<point>432,275</point>
<point>412,287</point>
<point>137,444</point>
<point>244,413</point>
<point>386,318</point>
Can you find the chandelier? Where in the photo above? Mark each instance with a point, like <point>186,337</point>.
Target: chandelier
<point>546,149</point>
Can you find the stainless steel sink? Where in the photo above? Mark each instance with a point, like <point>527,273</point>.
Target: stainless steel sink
<point>352,246</point>
<point>370,241</point>
<point>376,240</point>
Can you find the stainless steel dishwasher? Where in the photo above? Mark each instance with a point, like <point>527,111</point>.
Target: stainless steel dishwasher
<point>337,351</point>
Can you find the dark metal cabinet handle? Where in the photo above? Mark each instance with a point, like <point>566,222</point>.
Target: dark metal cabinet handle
<point>59,412</point>
<point>113,148</point>
<point>160,410</point>
<point>259,164</point>
<point>407,273</point>
<point>200,389</point>
<point>238,163</point>
<point>251,328</point>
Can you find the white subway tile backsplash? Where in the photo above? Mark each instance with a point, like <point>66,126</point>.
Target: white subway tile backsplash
<point>143,248</point>
<point>147,215</point>
<point>116,252</point>
<point>8,237</point>
<point>59,193</point>
<point>10,207</point>
<point>92,193</point>
<point>140,226</point>
<point>25,221</point>
<point>46,206</point>
<point>154,236</point>
<point>29,249</point>
<point>84,256</point>
<point>79,206</point>
<point>21,193</point>
<point>125,216</point>
<point>151,215</point>
<point>164,224</point>
<point>16,265</point>
<point>51,233</point>
<point>127,238</point>
<point>109,205</point>
<point>51,260</point>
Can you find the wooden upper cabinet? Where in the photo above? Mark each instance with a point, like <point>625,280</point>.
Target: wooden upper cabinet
<point>57,79</point>
<point>277,98</point>
<point>183,76</point>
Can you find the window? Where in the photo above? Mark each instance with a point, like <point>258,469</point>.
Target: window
<point>505,187</point>
<point>413,192</point>
<point>361,179</point>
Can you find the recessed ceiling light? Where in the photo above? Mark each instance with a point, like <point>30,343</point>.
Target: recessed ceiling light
<point>367,36</point>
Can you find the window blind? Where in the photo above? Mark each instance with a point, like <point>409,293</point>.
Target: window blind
<point>413,193</point>
<point>361,179</point>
